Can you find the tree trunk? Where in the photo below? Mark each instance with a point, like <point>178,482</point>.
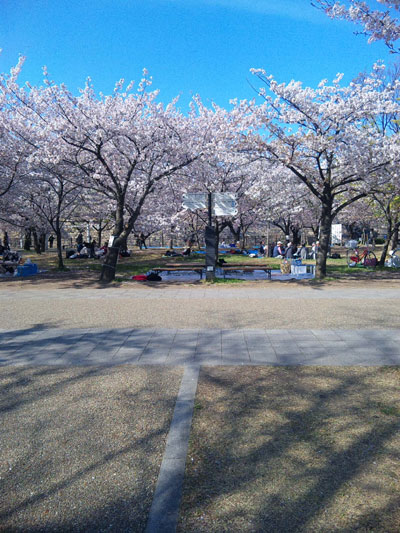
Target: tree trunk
<point>235,233</point>
<point>244,240</point>
<point>36,243</point>
<point>27,240</point>
<point>324,240</point>
<point>296,236</point>
<point>111,259</point>
<point>110,263</point>
<point>385,249</point>
<point>59,248</point>
<point>42,241</point>
<point>315,232</point>
<point>99,235</point>
<point>395,237</point>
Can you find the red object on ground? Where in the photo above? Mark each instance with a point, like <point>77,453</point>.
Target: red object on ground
<point>140,277</point>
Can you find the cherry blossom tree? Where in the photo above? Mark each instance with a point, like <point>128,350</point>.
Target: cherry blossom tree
<point>14,151</point>
<point>377,24</point>
<point>386,207</point>
<point>327,139</point>
<point>118,146</point>
<point>386,198</point>
<point>226,164</point>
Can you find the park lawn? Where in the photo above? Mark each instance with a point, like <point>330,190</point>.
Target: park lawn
<point>142,261</point>
<point>294,449</point>
<point>82,446</point>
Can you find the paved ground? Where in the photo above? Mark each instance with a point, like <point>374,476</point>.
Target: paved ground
<point>81,447</point>
<point>272,307</point>
<point>199,347</point>
<point>190,326</point>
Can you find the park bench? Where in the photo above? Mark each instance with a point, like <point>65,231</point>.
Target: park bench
<point>195,267</point>
<point>180,268</point>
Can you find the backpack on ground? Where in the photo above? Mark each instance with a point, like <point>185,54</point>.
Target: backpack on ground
<point>153,277</point>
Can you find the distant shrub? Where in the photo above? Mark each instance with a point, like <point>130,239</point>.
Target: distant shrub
<point>379,240</point>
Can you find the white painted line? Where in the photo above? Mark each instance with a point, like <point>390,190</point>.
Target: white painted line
<point>164,510</point>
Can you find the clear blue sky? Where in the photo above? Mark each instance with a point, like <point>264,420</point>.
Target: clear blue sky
<point>188,46</point>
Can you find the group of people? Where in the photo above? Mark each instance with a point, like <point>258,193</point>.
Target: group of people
<point>291,251</point>
<point>87,250</point>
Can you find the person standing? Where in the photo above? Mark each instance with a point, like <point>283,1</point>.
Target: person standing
<point>79,241</point>
<point>6,242</point>
<point>316,249</point>
<point>91,248</point>
<point>51,240</point>
<point>143,241</point>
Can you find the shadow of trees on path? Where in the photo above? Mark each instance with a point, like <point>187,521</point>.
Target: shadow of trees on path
<point>82,446</point>
<point>294,449</point>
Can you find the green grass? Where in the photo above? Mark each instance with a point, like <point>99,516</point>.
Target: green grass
<point>142,261</point>
<point>389,410</point>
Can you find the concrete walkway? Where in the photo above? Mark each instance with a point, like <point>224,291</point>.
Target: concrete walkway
<point>41,346</point>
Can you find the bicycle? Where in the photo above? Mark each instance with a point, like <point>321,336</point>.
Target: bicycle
<point>365,258</point>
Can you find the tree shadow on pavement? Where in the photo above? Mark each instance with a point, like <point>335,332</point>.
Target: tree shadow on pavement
<point>294,449</point>
<point>82,446</point>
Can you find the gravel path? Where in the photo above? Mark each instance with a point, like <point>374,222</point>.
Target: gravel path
<point>233,308</point>
<point>81,448</point>
<point>298,449</point>
<point>84,444</point>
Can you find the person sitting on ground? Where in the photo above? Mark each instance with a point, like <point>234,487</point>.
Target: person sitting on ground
<point>187,251</point>
<point>289,251</point>
<point>82,254</point>
<point>172,253</point>
<point>124,253</point>
<point>279,250</point>
<point>303,251</point>
<point>101,251</point>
